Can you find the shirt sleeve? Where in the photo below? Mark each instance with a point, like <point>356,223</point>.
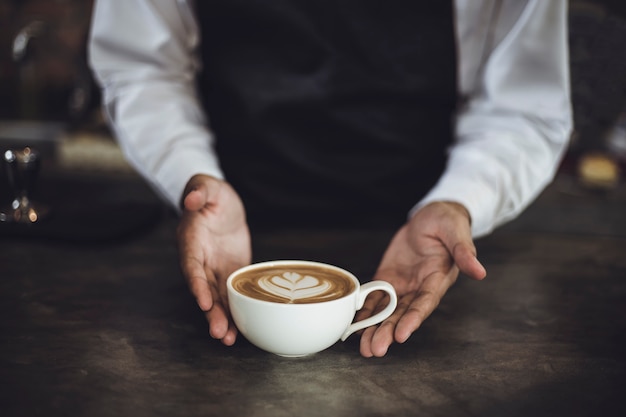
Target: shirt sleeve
<point>143,54</point>
<point>516,119</point>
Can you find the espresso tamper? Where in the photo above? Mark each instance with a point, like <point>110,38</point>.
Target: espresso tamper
<point>22,169</point>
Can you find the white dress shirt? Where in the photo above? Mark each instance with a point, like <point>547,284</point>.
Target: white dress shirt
<point>510,134</point>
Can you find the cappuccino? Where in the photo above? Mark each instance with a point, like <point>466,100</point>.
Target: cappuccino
<point>294,284</point>
<point>297,308</point>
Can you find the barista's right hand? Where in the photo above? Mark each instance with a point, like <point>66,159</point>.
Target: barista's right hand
<point>213,241</point>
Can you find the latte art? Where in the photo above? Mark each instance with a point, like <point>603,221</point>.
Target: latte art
<point>296,285</point>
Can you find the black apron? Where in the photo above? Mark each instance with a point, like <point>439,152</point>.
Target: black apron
<point>329,112</point>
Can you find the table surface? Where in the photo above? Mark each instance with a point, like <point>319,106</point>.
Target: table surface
<point>110,329</point>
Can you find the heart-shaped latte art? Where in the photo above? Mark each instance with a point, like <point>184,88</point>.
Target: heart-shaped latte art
<point>293,286</point>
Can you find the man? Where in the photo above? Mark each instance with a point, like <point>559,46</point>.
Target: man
<point>337,112</point>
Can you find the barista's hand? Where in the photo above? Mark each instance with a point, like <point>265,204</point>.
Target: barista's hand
<point>422,261</point>
<point>213,241</point>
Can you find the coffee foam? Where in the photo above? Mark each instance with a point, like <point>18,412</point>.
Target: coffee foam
<point>294,285</point>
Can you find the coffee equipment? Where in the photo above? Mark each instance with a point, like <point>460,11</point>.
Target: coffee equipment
<point>22,168</point>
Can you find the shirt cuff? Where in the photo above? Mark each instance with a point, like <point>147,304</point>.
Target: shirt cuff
<point>461,183</point>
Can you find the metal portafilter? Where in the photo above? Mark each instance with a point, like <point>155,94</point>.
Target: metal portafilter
<point>22,169</point>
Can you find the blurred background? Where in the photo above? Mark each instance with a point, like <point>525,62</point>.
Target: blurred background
<point>48,97</point>
<point>43,71</point>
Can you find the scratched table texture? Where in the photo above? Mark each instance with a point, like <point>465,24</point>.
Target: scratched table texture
<point>108,328</point>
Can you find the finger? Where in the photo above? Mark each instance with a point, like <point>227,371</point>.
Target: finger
<point>231,334</point>
<point>376,340</point>
<point>218,317</point>
<point>196,198</point>
<point>198,282</point>
<point>464,255</point>
<point>366,342</point>
<point>370,306</point>
<point>457,237</point>
<point>414,315</point>
<point>201,191</point>
<point>196,193</point>
<point>423,304</point>
<point>220,326</point>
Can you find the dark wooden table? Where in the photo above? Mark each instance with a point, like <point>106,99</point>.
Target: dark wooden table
<point>107,327</point>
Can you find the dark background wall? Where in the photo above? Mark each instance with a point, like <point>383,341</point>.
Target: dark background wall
<point>49,80</point>
<point>52,82</point>
<point>598,68</point>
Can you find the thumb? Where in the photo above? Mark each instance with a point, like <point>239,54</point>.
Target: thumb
<point>196,198</point>
<point>197,192</point>
<point>464,255</point>
<point>458,240</point>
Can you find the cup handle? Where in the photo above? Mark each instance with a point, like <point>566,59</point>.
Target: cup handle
<point>364,290</point>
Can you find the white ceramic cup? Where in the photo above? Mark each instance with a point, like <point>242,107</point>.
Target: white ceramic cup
<point>293,330</point>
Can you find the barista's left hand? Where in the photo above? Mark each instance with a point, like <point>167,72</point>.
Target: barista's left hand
<point>422,262</point>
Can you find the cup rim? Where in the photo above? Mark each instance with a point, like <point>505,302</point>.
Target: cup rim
<point>281,262</point>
